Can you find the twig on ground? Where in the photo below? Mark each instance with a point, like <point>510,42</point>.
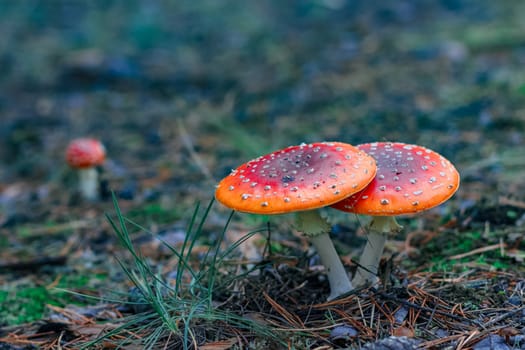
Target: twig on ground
<point>292,319</point>
<point>33,264</point>
<point>504,316</point>
<point>512,202</point>
<point>488,248</point>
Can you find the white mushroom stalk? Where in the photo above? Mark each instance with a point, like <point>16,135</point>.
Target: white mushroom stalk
<point>380,227</point>
<point>317,230</point>
<point>88,184</point>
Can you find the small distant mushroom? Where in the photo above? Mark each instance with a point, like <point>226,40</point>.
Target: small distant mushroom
<point>409,179</point>
<point>84,155</point>
<point>301,179</point>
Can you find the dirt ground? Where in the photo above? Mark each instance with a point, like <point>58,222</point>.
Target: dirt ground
<point>181,92</point>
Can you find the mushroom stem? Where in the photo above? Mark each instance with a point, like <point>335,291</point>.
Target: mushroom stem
<point>317,230</point>
<point>380,227</point>
<point>88,183</point>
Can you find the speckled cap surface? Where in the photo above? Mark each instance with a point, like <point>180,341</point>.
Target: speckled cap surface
<point>409,179</point>
<point>303,177</point>
<point>85,153</point>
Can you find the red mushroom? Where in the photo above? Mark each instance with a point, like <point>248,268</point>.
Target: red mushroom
<point>409,179</point>
<point>301,179</point>
<point>84,155</point>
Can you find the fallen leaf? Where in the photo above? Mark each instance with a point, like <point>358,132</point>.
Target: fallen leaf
<point>403,332</point>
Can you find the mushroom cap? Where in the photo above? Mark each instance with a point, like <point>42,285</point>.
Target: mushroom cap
<point>409,179</point>
<point>303,177</point>
<point>85,153</point>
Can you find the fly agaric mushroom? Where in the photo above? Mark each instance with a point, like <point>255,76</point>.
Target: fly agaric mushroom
<point>84,155</point>
<point>301,179</point>
<point>409,179</point>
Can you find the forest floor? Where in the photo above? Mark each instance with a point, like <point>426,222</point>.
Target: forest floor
<point>182,92</point>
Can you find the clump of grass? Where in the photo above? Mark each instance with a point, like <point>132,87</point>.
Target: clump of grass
<point>182,313</point>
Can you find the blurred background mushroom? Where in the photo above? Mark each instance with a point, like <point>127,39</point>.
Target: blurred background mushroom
<point>84,155</point>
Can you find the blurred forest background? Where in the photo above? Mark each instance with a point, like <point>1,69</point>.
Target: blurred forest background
<point>180,92</point>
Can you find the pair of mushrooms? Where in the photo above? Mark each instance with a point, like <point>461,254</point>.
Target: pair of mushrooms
<point>381,179</point>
